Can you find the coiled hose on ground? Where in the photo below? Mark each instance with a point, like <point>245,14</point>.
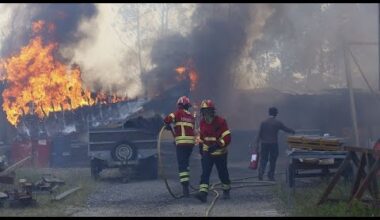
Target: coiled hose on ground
<point>214,187</point>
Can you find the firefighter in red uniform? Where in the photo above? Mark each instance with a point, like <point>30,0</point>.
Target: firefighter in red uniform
<point>214,139</point>
<point>184,138</point>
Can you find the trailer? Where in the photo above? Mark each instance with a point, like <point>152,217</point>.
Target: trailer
<point>129,145</point>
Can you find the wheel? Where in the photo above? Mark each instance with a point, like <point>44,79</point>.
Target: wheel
<point>96,168</point>
<point>124,151</point>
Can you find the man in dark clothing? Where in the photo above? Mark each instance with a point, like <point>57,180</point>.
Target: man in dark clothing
<point>267,136</point>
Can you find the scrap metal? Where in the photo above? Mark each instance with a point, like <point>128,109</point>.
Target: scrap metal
<point>48,183</point>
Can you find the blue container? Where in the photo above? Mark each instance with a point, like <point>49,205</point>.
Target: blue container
<point>79,155</point>
<point>60,153</point>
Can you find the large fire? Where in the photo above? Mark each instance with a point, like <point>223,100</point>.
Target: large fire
<point>37,83</point>
<point>192,74</point>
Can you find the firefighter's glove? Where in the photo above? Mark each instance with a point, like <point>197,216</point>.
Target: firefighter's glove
<point>213,148</point>
<point>168,127</point>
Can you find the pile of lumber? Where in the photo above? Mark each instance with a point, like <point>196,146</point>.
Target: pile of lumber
<point>314,142</point>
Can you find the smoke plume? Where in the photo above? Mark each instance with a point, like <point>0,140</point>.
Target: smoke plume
<point>65,17</point>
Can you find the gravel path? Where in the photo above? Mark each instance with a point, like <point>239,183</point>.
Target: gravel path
<point>151,198</point>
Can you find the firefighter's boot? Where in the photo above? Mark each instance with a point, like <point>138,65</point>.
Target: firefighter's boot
<point>226,194</point>
<point>185,189</point>
<point>202,196</point>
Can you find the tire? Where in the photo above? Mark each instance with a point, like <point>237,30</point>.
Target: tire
<point>124,151</point>
<point>96,168</point>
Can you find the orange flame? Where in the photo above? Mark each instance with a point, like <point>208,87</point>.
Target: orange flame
<point>193,78</point>
<point>180,70</point>
<point>39,84</point>
<point>38,26</point>
<point>191,73</point>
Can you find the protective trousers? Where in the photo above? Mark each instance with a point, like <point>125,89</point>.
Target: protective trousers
<point>183,157</point>
<point>268,151</point>
<point>221,166</point>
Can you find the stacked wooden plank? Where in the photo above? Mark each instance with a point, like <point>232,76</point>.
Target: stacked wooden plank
<point>314,142</point>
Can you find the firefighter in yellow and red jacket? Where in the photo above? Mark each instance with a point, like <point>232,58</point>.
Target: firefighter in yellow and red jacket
<point>214,139</point>
<point>184,123</point>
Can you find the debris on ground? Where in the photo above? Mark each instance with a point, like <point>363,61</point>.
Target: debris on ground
<point>7,174</point>
<point>48,183</point>
<point>66,193</point>
<point>13,167</point>
<point>20,197</point>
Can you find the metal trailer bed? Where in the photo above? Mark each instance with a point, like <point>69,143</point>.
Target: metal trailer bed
<point>303,164</point>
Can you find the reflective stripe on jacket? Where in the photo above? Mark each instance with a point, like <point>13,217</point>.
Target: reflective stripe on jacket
<point>184,124</point>
<point>215,133</point>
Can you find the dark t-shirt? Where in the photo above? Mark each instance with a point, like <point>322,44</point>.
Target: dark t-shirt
<point>268,131</point>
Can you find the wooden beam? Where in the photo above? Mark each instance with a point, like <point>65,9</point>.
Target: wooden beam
<point>335,178</point>
<point>351,93</point>
<point>15,166</point>
<point>359,175</point>
<point>373,185</point>
<point>364,185</point>
<point>66,193</point>
<point>355,159</point>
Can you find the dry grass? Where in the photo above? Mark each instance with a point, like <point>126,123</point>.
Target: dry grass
<point>302,202</point>
<point>45,207</point>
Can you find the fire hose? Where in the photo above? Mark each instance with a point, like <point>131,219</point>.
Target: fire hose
<point>214,187</point>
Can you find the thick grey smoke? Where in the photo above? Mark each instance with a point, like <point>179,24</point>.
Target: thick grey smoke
<point>291,47</point>
<point>308,40</point>
<point>217,42</point>
<point>167,54</point>
<point>214,45</point>
<point>65,17</point>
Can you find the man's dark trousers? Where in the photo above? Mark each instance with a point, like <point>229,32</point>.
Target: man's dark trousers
<point>268,151</point>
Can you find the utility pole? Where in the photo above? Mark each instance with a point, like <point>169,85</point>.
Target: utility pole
<point>378,43</point>
<point>351,92</point>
